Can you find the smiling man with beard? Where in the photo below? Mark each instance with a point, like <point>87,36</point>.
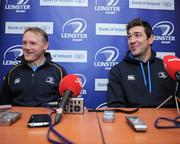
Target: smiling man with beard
<point>35,80</point>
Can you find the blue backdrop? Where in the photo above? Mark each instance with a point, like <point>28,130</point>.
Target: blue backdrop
<point>87,37</point>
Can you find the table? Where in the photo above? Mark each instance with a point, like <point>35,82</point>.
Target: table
<point>119,132</point>
<point>89,128</point>
<point>79,128</point>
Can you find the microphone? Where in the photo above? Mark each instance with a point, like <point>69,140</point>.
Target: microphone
<point>172,66</point>
<point>69,86</point>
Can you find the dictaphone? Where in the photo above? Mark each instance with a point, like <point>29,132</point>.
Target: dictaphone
<point>8,117</point>
<point>136,123</point>
<point>109,116</point>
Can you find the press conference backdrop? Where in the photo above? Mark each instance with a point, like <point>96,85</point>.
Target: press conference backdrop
<point>87,37</point>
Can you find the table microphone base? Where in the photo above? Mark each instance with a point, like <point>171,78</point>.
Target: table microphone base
<point>176,100</point>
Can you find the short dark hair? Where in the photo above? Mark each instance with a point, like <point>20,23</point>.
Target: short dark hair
<point>139,22</point>
<point>38,30</point>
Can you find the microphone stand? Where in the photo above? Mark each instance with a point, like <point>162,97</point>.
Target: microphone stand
<point>176,93</point>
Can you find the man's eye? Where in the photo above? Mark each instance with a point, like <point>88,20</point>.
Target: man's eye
<point>24,43</point>
<point>138,35</point>
<point>129,36</point>
<point>33,43</point>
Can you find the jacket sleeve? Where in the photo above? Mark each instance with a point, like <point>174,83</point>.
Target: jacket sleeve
<point>5,93</point>
<point>115,90</point>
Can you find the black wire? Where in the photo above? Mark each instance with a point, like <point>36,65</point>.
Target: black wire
<point>115,110</point>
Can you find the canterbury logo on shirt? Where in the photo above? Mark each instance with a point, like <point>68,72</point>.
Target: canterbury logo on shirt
<point>131,77</point>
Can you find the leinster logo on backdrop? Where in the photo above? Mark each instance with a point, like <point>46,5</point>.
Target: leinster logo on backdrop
<point>163,32</point>
<point>106,57</point>
<point>107,6</point>
<point>20,6</point>
<point>74,29</point>
<point>83,80</point>
<point>18,2</point>
<point>11,54</point>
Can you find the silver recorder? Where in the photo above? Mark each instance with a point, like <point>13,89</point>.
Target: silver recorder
<point>9,117</point>
<point>136,123</point>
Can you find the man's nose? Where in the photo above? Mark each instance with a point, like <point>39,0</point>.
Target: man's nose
<point>27,46</point>
<point>132,39</point>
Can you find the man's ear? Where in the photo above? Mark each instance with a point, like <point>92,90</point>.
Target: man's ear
<point>46,46</point>
<point>151,39</point>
